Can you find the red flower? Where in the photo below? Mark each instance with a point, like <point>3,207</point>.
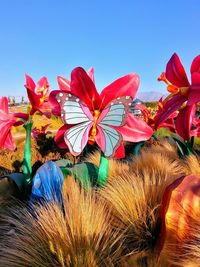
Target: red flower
<point>83,87</point>
<point>6,122</point>
<point>150,114</point>
<point>181,121</point>
<point>38,95</point>
<point>64,85</point>
<point>178,85</point>
<point>184,122</point>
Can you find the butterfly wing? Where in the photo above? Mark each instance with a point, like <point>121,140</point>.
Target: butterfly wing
<point>115,114</point>
<point>108,139</point>
<point>76,137</point>
<point>74,111</point>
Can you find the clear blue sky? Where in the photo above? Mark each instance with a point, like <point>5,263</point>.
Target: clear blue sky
<point>51,37</point>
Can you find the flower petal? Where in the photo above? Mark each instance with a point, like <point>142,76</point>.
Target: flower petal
<point>169,124</point>
<point>20,115</point>
<point>55,107</point>
<point>33,98</point>
<point>194,94</point>
<point>195,67</point>
<point>29,83</point>
<point>59,138</point>
<point>175,72</point>
<point>120,152</point>
<point>91,74</point>
<point>84,88</point>
<point>169,107</point>
<point>135,130</point>
<point>64,84</point>
<point>9,142</point>
<point>4,104</point>
<point>43,82</point>
<point>124,86</point>
<point>184,121</point>
<point>6,138</point>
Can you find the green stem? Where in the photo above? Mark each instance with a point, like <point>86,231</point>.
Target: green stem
<point>103,170</point>
<point>27,168</point>
<point>192,142</point>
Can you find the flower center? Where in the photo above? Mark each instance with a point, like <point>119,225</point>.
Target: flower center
<point>42,92</point>
<point>173,89</point>
<point>93,132</point>
<point>170,87</point>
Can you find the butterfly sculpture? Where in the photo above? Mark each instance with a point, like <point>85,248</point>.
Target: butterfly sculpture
<point>97,126</point>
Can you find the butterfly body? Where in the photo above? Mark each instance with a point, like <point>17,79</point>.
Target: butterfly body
<point>93,126</point>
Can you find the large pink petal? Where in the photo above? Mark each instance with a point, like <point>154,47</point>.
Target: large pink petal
<point>5,127</point>
<point>184,121</point>
<point>83,87</point>
<point>64,84</point>
<point>194,93</point>
<point>4,104</point>
<point>124,86</point>
<point>9,142</point>
<point>135,130</point>
<point>195,67</point>
<point>43,82</point>
<point>55,107</point>
<point>29,83</point>
<point>169,107</point>
<point>175,72</point>
<point>59,138</point>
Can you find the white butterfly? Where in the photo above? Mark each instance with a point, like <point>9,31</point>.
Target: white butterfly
<point>93,126</point>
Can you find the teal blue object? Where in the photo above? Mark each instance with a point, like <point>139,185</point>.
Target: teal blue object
<point>86,173</point>
<point>103,170</point>
<point>18,179</point>
<point>64,163</point>
<point>137,147</point>
<point>26,166</point>
<point>47,183</point>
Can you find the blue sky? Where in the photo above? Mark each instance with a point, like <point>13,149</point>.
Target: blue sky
<point>51,37</point>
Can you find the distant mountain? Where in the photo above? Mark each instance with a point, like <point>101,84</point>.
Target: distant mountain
<point>149,96</point>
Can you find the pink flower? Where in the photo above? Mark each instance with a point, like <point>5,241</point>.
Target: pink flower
<point>96,107</point>
<point>8,120</point>
<point>180,88</point>
<point>64,85</point>
<point>38,95</point>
